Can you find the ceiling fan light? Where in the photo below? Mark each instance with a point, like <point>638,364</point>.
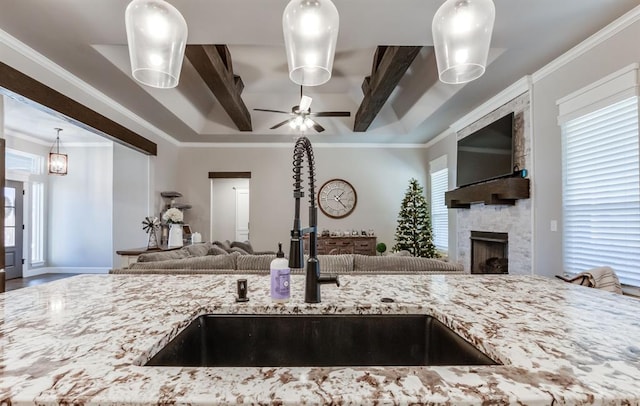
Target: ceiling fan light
<point>461,38</point>
<point>310,30</point>
<point>156,36</point>
<point>308,122</point>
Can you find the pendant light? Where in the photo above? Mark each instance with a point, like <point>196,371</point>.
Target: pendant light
<point>57,161</point>
<point>157,36</point>
<point>310,30</point>
<point>461,39</point>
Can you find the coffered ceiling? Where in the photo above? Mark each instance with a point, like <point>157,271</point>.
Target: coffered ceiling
<point>88,39</point>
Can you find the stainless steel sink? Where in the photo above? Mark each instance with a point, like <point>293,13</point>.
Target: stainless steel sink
<point>317,340</point>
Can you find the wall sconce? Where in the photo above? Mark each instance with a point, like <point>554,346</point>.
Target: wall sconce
<point>461,38</point>
<point>157,37</point>
<point>57,161</point>
<point>310,30</point>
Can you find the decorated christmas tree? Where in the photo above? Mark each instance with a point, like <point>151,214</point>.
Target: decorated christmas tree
<point>414,224</point>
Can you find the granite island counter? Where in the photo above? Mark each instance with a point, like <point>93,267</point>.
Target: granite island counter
<point>82,340</point>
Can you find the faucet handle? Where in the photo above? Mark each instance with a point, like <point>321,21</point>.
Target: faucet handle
<point>329,279</point>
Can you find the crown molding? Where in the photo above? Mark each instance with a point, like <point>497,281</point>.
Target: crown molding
<point>500,99</point>
<point>63,74</point>
<point>9,133</point>
<point>26,137</point>
<point>288,145</point>
<point>591,42</point>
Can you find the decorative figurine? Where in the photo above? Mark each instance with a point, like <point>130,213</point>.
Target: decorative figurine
<point>151,226</point>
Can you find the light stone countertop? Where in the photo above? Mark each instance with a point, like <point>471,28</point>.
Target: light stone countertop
<point>82,340</point>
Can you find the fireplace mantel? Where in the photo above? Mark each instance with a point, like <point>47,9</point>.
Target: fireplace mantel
<point>498,191</point>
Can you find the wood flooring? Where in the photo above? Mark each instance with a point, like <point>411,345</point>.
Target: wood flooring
<point>18,283</point>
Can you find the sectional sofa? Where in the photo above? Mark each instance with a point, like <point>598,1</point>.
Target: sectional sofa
<point>205,258</point>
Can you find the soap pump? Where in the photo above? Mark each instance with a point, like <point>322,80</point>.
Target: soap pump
<point>280,278</point>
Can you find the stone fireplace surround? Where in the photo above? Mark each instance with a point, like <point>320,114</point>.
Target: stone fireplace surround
<point>514,220</point>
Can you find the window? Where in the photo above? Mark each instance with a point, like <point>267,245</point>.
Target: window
<point>27,167</point>
<point>601,185</point>
<point>37,223</point>
<point>439,212</point>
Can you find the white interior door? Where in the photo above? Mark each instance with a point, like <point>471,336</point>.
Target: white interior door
<point>242,214</point>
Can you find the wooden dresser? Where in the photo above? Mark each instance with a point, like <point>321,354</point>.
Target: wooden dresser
<point>343,245</point>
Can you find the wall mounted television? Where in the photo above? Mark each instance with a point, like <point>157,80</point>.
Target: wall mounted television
<point>486,153</point>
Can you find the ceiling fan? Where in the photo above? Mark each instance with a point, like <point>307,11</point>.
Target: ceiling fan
<point>301,115</point>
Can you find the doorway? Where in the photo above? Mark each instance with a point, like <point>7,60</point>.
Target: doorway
<point>242,214</point>
<point>13,228</point>
<point>230,207</point>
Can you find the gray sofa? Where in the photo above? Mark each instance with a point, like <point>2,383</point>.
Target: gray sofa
<point>200,258</point>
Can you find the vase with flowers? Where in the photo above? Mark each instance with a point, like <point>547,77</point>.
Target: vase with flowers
<point>174,218</point>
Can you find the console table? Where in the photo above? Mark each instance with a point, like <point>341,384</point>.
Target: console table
<point>130,256</point>
<point>343,245</point>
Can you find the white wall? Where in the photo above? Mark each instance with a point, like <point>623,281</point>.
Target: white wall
<point>605,58</point>
<point>131,199</point>
<point>447,146</point>
<point>80,210</point>
<point>379,175</point>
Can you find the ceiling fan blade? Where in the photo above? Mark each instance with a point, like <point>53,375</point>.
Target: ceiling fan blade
<point>331,114</point>
<point>318,127</point>
<point>280,124</point>
<point>305,103</point>
<point>273,111</point>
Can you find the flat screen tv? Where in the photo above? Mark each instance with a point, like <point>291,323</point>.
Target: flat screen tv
<point>487,153</point>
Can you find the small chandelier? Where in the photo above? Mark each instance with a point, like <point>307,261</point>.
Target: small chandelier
<point>157,37</point>
<point>461,39</point>
<point>310,30</point>
<point>57,161</point>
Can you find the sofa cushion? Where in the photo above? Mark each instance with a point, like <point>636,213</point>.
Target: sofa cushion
<point>227,261</point>
<point>402,264</point>
<point>163,255</point>
<point>340,264</point>
<point>198,250</point>
<point>254,262</point>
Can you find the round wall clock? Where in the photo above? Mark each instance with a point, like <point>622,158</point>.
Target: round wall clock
<point>337,198</point>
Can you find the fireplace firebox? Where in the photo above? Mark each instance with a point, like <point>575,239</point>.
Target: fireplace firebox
<point>489,252</point>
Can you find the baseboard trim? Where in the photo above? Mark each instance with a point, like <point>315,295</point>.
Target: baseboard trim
<point>66,269</point>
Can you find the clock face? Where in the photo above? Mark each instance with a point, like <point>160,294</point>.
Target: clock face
<point>337,198</point>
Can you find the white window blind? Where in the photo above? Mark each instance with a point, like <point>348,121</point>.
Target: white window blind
<point>439,212</point>
<point>601,191</point>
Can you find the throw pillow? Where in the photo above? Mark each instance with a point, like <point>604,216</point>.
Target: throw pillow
<point>246,246</point>
<point>238,250</point>
<point>216,250</point>
<point>163,255</point>
<point>198,250</point>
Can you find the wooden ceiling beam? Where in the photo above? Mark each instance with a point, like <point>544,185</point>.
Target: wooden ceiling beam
<point>16,84</point>
<point>213,63</point>
<point>389,65</point>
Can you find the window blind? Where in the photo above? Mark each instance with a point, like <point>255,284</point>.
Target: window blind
<point>601,191</point>
<point>439,212</point>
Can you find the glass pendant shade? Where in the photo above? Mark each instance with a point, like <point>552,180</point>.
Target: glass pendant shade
<point>310,30</point>
<point>461,38</point>
<point>58,163</point>
<point>157,37</point>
